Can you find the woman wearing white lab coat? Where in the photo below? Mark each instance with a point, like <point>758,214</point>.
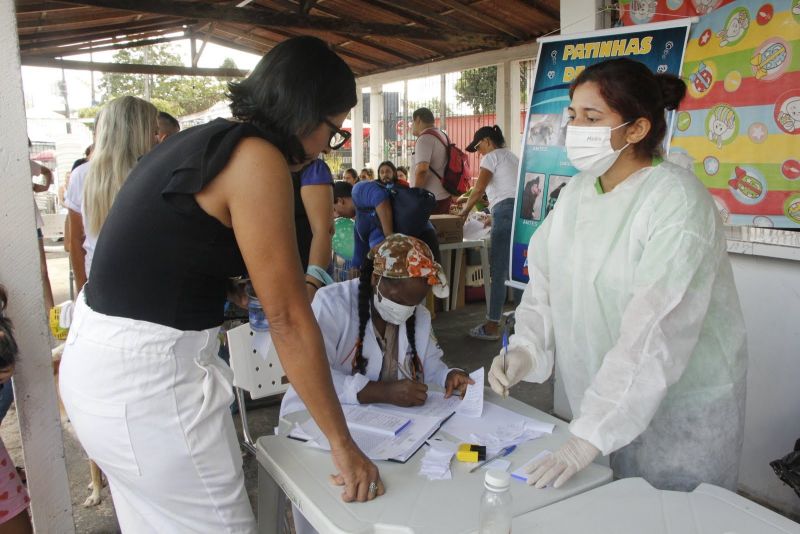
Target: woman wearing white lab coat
<point>377,332</point>
<point>631,286</point>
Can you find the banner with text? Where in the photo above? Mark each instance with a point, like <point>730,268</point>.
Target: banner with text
<point>544,167</point>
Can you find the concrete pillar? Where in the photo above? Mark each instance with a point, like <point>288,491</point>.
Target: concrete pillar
<point>503,97</point>
<point>357,139</point>
<point>376,120</point>
<point>443,101</point>
<point>39,421</point>
<point>514,127</point>
<point>576,18</point>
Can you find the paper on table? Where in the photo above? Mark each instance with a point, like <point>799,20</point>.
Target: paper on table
<point>472,403</point>
<point>498,427</point>
<point>435,406</point>
<point>374,420</point>
<point>436,462</point>
<point>520,473</point>
<point>376,446</point>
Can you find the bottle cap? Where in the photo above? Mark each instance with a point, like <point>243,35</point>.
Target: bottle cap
<point>497,480</point>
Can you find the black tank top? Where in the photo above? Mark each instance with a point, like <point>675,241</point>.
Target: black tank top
<point>160,257</point>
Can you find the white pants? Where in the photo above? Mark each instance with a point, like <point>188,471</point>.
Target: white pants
<point>150,404</point>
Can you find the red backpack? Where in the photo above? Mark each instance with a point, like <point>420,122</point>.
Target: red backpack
<point>457,174</point>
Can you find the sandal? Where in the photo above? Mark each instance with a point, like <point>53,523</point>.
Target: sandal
<point>479,332</point>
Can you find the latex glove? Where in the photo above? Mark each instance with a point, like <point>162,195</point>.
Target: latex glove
<point>518,364</point>
<point>573,456</point>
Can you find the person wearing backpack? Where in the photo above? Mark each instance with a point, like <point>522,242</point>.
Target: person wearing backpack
<point>430,158</point>
<point>382,209</point>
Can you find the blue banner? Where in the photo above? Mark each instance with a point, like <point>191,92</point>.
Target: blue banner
<point>544,166</point>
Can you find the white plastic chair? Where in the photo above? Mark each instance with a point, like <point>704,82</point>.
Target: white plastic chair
<point>256,369</point>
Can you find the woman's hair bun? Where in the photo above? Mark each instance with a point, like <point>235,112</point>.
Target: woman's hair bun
<point>673,89</point>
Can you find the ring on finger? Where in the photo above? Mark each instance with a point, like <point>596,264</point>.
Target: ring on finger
<point>372,488</point>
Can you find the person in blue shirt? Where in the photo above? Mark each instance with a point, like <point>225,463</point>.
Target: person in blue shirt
<point>374,220</point>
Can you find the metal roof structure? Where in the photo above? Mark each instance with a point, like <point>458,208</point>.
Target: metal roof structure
<point>373,36</point>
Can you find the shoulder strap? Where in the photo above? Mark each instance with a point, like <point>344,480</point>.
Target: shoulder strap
<point>446,142</point>
<point>436,133</point>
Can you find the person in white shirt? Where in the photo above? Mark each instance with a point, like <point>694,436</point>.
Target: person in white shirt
<point>127,128</point>
<point>377,331</point>
<point>498,179</point>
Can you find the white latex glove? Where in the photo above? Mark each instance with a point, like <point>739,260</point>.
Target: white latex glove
<point>518,364</point>
<point>573,456</point>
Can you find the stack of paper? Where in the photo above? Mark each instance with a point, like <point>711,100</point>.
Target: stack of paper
<point>436,463</point>
<point>496,428</point>
<point>377,445</point>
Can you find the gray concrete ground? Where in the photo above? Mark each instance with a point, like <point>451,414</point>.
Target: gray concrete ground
<point>451,329</point>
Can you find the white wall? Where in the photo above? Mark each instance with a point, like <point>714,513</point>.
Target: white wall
<point>769,289</point>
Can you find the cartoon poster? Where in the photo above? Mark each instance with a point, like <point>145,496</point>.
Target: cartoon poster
<point>740,122</point>
<point>645,11</point>
<point>544,166</point>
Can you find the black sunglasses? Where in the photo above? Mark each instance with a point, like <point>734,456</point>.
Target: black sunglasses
<point>338,136</point>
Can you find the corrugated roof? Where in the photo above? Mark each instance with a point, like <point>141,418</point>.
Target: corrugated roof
<point>371,35</point>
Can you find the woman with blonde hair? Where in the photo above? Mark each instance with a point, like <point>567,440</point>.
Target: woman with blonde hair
<point>126,130</point>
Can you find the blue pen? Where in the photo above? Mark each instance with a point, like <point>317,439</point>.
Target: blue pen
<point>503,452</point>
<point>505,346</point>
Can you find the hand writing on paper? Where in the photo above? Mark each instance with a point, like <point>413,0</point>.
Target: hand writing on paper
<point>406,392</point>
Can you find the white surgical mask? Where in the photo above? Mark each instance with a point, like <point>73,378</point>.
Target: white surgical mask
<point>391,311</point>
<point>589,148</point>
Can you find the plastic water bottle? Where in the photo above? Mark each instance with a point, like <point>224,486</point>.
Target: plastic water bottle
<point>255,312</point>
<point>495,512</point>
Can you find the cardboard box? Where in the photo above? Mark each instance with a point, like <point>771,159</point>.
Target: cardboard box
<point>449,228</point>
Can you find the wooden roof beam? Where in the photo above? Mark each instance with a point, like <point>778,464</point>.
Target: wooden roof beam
<point>106,28</point>
<point>544,8</point>
<point>84,48</point>
<point>85,36</point>
<point>78,17</point>
<point>22,8</point>
<point>336,48</point>
<point>483,18</point>
<point>418,17</point>
<point>270,19</point>
<point>132,68</point>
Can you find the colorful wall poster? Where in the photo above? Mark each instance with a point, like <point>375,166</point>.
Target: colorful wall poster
<point>739,124</point>
<point>646,11</point>
<point>544,166</point>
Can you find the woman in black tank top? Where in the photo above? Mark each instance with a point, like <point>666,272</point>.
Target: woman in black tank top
<point>209,203</point>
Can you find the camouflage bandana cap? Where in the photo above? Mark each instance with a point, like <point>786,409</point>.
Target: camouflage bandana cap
<point>402,256</point>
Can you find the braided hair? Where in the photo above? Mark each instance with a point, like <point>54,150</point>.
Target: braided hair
<point>8,345</point>
<point>364,312</point>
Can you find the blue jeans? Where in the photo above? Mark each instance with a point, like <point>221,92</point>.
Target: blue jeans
<point>500,256</point>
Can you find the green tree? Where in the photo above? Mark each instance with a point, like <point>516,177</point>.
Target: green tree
<point>478,88</point>
<point>177,95</point>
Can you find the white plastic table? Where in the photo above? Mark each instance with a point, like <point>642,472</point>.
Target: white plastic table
<point>412,503</point>
<point>632,506</point>
<point>447,250</point>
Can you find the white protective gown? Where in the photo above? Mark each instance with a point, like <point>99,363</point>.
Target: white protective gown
<point>336,309</point>
<point>634,291</point>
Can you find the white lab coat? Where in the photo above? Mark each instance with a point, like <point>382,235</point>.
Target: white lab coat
<point>634,291</point>
<point>336,309</point>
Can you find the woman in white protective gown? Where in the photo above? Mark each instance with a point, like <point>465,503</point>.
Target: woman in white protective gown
<point>631,287</point>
